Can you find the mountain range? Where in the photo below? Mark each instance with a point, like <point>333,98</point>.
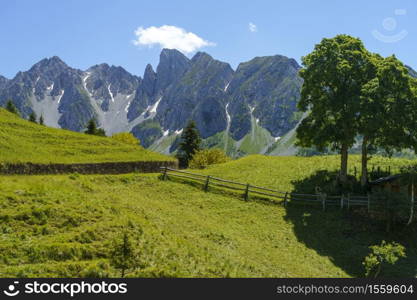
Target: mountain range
<point>243,111</point>
<point>248,110</point>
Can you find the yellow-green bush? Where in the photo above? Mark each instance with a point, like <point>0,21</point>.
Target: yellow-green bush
<point>203,158</point>
<point>126,137</point>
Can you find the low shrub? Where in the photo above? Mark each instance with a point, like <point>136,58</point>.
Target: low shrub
<point>203,158</point>
<point>382,255</point>
<point>127,138</point>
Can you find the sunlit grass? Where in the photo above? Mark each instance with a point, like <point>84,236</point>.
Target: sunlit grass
<point>23,141</point>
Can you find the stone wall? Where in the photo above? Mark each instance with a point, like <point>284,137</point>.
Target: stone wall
<point>88,168</point>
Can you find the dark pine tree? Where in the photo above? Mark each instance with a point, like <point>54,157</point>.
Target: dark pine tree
<point>41,120</point>
<point>32,117</point>
<point>189,144</point>
<point>11,107</point>
<point>124,256</point>
<point>92,128</point>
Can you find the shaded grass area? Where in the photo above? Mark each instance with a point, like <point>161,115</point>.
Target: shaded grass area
<point>22,141</point>
<point>345,238</point>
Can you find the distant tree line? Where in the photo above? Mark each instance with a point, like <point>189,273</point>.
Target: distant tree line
<point>32,117</point>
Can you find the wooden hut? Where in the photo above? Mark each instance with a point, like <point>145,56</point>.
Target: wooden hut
<point>394,183</point>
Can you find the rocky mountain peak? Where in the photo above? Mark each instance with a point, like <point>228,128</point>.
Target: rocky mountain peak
<point>149,80</point>
<point>201,56</point>
<point>3,81</point>
<point>172,65</point>
<point>149,72</point>
<point>53,64</point>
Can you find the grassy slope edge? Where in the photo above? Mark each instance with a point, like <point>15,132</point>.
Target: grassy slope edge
<point>22,141</point>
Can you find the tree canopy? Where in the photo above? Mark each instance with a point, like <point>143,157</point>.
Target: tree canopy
<point>350,92</point>
<point>388,110</point>
<point>333,74</point>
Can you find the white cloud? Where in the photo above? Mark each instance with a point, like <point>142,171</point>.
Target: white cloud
<point>170,37</point>
<point>253,27</point>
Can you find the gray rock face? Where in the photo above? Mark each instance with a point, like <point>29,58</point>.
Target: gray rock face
<point>198,95</point>
<point>267,88</point>
<point>103,82</point>
<point>55,84</point>
<point>147,132</point>
<point>3,82</point>
<point>172,66</point>
<point>145,94</point>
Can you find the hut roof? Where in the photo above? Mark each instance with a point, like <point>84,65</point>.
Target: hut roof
<point>385,179</point>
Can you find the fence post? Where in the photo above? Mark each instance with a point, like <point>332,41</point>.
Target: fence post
<point>165,173</point>
<point>348,198</point>
<point>412,204</point>
<point>285,199</point>
<point>247,192</point>
<point>369,203</point>
<point>323,200</point>
<point>341,201</point>
<point>206,185</point>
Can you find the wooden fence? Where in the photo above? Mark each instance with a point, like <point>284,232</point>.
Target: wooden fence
<point>343,201</point>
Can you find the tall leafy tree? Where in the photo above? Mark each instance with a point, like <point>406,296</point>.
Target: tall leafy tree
<point>189,144</point>
<point>388,110</point>
<point>334,74</point>
<point>11,107</point>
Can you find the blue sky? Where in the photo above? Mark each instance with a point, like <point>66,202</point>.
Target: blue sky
<point>88,32</point>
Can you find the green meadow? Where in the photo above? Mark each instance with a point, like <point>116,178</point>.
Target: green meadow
<point>22,141</point>
<point>67,226</point>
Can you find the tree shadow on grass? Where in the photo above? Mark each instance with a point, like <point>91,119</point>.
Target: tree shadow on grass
<point>345,236</point>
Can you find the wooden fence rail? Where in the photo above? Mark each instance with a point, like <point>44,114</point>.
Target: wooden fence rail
<point>344,201</point>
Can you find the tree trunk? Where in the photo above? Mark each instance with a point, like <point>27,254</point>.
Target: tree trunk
<point>364,176</point>
<point>343,163</point>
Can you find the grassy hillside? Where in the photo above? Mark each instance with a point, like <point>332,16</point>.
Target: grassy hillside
<point>67,226</point>
<point>23,141</point>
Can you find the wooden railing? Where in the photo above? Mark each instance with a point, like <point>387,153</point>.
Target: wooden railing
<point>344,201</point>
